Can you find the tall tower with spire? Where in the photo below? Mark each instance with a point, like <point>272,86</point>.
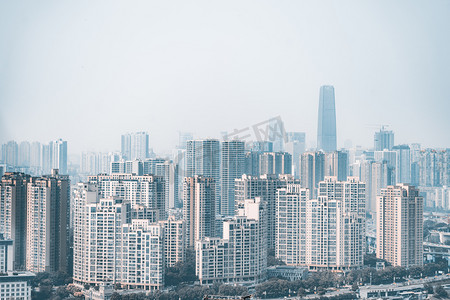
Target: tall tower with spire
<point>326,129</point>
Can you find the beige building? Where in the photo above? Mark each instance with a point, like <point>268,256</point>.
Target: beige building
<point>199,208</point>
<point>174,241</point>
<point>241,255</point>
<point>335,226</point>
<point>47,223</point>
<point>400,225</point>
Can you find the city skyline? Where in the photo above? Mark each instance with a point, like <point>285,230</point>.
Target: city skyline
<point>275,58</point>
<point>206,150</point>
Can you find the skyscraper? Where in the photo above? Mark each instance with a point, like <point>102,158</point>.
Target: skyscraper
<point>47,236</point>
<point>400,226</point>
<point>336,164</point>
<point>403,163</point>
<point>24,154</point>
<point>183,138</point>
<point>241,255</point>
<point>295,146</point>
<point>203,158</point>
<point>232,168</point>
<point>383,139</point>
<point>11,155</point>
<point>59,156</point>
<point>264,186</point>
<point>336,225</point>
<point>135,145</point>
<point>174,241</point>
<point>35,155</point>
<point>147,190</point>
<point>109,246</point>
<point>312,170</point>
<point>199,208</point>
<point>46,161</point>
<point>326,129</point>
<point>275,163</point>
<point>290,229</point>
<point>13,213</point>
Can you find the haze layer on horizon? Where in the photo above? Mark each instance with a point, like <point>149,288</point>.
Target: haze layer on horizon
<point>88,71</point>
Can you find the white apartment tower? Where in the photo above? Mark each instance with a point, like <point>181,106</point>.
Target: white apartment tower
<point>336,225</point>
<point>59,155</point>
<point>264,186</point>
<point>291,220</point>
<point>174,241</point>
<point>400,226</point>
<point>241,255</point>
<point>146,190</point>
<point>110,247</point>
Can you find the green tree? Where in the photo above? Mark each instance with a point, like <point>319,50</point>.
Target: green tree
<point>441,292</point>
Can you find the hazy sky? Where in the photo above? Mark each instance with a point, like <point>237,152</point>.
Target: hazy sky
<point>88,71</point>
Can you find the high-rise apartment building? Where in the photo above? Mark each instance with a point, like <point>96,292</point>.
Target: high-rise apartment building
<point>434,167</point>
<point>386,155</point>
<point>13,214</point>
<point>10,155</point>
<point>46,160</point>
<point>24,154</point>
<point>241,255</point>
<point>275,163</point>
<point>93,163</point>
<point>252,163</point>
<point>296,145</point>
<point>312,170</point>
<point>290,229</point>
<point>336,164</point>
<point>383,139</point>
<point>145,190</point>
<point>110,247</point>
<point>135,145</point>
<point>13,285</point>
<point>35,155</point>
<point>199,208</point>
<point>59,155</point>
<point>326,129</point>
<point>400,226</point>
<point>203,159</point>
<point>265,187</point>
<point>261,146</point>
<point>142,257</point>
<point>336,226</point>
<point>168,170</point>
<point>183,138</point>
<point>403,163</point>
<point>232,168</point>
<point>47,238</point>
<point>174,241</point>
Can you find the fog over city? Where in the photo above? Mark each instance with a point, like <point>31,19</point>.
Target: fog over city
<point>88,72</point>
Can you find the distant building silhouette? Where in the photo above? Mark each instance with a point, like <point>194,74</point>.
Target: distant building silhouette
<point>326,129</point>
<point>383,139</point>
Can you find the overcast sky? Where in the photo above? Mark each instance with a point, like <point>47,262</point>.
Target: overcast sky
<point>88,71</point>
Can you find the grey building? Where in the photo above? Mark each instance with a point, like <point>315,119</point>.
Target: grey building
<point>135,145</point>
<point>203,158</point>
<point>232,168</point>
<point>13,213</point>
<point>326,129</point>
<point>383,139</point>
